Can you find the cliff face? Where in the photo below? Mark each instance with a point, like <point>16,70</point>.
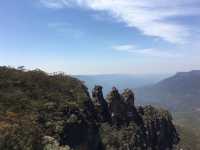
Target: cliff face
<point>55,112</point>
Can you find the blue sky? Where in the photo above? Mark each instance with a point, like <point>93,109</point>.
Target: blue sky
<point>101,36</point>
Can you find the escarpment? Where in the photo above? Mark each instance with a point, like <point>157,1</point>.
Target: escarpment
<point>55,112</point>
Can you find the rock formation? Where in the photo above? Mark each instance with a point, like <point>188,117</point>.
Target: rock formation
<point>117,108</point>
<point>100,104</point>
<point>129,99</point>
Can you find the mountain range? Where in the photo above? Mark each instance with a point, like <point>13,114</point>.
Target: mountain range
<point>121,81</point>
<point>178,92</point>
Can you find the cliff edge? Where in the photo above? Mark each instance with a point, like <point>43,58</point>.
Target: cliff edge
<point>39,111</point>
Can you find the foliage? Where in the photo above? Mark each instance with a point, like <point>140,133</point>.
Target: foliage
<point>33,103</point>
<point>19,132</point>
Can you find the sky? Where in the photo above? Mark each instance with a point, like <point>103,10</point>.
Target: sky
<point>101,36</point>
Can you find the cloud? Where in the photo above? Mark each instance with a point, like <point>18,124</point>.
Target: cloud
<point>153,52</point>
<point>123,47</point>
<point>150,17</point>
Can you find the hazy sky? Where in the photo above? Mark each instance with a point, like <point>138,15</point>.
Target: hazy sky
<point>101,36</point>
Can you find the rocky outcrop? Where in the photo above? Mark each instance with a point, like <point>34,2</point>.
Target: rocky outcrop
<point>137,128</point>
<point>101,105</point>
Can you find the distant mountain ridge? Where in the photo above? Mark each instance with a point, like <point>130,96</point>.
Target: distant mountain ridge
<point>121,81</point>
<point>182,90</point>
